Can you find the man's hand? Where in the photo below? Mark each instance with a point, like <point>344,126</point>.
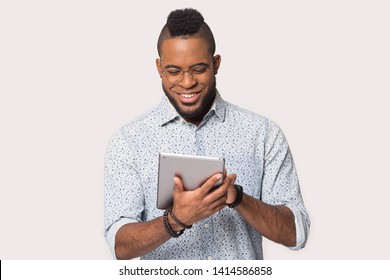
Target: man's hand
<point>192,206</point>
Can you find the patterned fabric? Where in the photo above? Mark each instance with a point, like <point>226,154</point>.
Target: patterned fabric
<point>253,147</point>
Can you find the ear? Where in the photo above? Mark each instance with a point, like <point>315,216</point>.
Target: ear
<point>158,65</point>
<point>216,63</point>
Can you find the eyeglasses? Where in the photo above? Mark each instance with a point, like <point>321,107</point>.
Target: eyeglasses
<point>175,74</point>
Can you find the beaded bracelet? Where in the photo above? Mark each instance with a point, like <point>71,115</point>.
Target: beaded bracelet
<point>177,220</point>
<point>168,228</point>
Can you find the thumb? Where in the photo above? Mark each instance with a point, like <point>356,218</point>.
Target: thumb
<point>178,184</point>
<point>233,177</point>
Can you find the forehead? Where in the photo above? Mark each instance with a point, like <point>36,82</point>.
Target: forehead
<point>184,52</point>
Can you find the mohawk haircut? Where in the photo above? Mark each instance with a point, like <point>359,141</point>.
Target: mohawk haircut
<point>185,24</point>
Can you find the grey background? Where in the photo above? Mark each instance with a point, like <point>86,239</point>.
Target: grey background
<point>72,72</point>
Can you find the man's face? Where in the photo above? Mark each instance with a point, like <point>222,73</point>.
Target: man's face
<point>192,92</point>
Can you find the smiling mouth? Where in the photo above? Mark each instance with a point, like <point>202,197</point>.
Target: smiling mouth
<point>189,99</point>
<point>188,95</point>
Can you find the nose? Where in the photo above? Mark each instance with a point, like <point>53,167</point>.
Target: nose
<point>188,80</point>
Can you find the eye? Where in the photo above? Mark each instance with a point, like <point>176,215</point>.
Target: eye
<point>172,71</point>
<point>199,69</point>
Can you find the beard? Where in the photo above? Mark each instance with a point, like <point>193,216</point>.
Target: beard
<point>198,113</point>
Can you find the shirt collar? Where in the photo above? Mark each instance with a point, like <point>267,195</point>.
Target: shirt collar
<point>168,113</point>
<point>219,107</point>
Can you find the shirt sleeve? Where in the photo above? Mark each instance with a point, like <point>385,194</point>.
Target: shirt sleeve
<point>123,196</point>
<point>280,182</point>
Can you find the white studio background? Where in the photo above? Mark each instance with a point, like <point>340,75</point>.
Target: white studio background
<point>73,72</point>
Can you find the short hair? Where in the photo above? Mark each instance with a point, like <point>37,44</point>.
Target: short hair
<point>186,23</point>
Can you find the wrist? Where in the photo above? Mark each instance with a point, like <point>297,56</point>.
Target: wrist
<point>175,226</point>
<point>177,221</point>
<point>172,232</point>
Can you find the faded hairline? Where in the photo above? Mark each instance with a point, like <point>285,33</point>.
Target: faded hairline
<point>204,32</point>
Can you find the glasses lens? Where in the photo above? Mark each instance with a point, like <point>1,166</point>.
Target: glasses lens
<point>176,75</point>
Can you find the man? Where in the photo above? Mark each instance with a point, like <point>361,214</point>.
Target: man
<point>259,197</point>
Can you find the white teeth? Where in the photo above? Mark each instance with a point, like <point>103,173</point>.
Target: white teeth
<point>187,95</point>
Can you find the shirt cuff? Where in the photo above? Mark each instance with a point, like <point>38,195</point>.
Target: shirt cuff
<point>111,233</point>
<point>301,228</point>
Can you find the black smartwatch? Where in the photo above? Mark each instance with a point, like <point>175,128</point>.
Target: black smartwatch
<point>240,192</point>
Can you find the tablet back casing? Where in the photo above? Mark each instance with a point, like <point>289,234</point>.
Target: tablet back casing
<point>193,170</point>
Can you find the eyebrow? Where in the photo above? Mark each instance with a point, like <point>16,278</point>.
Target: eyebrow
<point>191,66</point>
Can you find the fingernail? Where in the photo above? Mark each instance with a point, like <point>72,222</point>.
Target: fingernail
<point>218,176</point>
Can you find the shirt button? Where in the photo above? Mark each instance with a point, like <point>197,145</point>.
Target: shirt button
<point>209,257</point>
<point>206,225</point>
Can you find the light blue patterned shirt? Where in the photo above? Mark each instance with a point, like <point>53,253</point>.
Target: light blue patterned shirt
<point>253,147</point>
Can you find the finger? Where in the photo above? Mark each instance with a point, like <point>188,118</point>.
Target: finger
<point>220,192</point>
<point>230,180</point>
<point>207,186</point>
<point>233,177</point>
<point>218,204</point>
<point>225,184</point>
<point>178,184</point>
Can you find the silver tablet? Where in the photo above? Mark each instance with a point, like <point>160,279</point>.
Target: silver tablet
<point>193,170</point>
